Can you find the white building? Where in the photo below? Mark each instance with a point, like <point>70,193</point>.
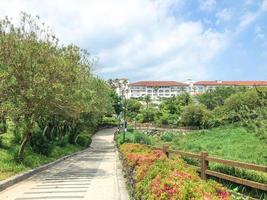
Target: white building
<point>157,89</point>
<point>203,86</point>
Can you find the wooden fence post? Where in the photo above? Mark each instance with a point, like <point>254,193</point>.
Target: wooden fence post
<point>204,165</point>
<point>165,150</point>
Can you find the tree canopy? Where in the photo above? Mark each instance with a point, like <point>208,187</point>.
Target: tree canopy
<point>42,81</point>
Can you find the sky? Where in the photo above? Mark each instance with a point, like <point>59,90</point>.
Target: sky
<point>160,39</point>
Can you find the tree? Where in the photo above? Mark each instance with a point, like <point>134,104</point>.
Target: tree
<point>42,81</point>
<point>195,115</point>
<point>217,97</point>
<point>147,100</point>
<point>133,108</point>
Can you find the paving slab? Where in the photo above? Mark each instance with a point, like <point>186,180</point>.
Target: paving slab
<point>93,174</point>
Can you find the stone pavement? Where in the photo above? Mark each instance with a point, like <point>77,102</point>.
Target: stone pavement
<point>94,174</point>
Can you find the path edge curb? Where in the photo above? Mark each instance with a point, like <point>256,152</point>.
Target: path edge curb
<point>25,175</point>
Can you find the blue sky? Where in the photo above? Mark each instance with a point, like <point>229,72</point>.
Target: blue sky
<point>161,39</point>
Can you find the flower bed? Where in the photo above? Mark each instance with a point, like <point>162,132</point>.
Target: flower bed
<point>154,176</point>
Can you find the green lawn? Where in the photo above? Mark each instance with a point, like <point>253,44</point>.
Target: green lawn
<point>228,142</point>
<point>234,143</point>
<point>8,166</point>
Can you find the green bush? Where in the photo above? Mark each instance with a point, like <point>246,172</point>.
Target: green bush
<point>141,138</point>
<point>84,140</point>
<point>39,144</point>
<point>167,137</point>
<point>195,115</point>
<point>62,142</point>
<point>130,129</point>
<point>133,137</point>
<point>1,141</point>
<point>109,121</point>
<point>147,115</point>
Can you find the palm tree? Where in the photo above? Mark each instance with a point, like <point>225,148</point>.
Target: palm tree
<point>147,100</point>
<point>156,89</point>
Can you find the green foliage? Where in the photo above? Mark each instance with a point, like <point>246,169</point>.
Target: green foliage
<point>167,137</point>
<point>171,108</point>
<point>39,144</point>
<point>8,157</point>
<point>109,121</point>
<point>195,115</point>
<point>1,141</point>
<point>229,142</point>
<point>157,177</point>
<point>47,85</point>
<point>134,137</point>
<point>216,97</point>
<point>133,108</point>
<point>147,114</point>
<point>141,138</point>
<point>116,102</point>
<point>84,140</point>
<point>248,108</point>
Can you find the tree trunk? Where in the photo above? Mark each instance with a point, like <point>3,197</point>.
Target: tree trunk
<point>44,131</point>
<point>4,125</point>
<point>26,139</point>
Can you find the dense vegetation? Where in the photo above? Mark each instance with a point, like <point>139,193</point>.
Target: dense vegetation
<point>154,176</point>
<point>49,97</point>
<point>228,142</point>
<point>8,151</point>
<point>218,107</point>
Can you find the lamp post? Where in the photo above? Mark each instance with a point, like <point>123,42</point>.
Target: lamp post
<point>124,91</point>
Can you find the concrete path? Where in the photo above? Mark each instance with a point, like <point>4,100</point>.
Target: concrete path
<point>94,174</point>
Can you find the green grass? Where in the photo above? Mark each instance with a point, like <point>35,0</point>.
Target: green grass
<point>228,142</point>
<point>9,167</point>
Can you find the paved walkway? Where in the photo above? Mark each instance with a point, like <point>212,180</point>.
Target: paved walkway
<point>94,174</point>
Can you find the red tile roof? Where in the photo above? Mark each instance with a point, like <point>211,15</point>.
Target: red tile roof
<point>239,83</point>
<point>158,83</point>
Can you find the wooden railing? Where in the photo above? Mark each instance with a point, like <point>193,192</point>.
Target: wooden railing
<point>204,170</point>
<point>150,126</point>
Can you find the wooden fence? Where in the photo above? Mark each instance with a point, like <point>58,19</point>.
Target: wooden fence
<point>150,126</point>
<point>205,159</point>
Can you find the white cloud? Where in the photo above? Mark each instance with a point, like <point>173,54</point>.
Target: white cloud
<point>207,5</point>
<point>246,20</point>
<point>264,5</point>
<point>224,15</point>
<point>131,37</point>
<point>249,17</point>
<point>259,34</point>
<point>248,2</point>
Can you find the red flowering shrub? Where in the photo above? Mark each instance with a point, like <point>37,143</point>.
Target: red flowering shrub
<point>157,177</point>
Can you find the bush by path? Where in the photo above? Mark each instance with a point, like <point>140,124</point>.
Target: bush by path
<point>155,176</point>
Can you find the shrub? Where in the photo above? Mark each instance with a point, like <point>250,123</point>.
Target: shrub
<point>157,177</point>
<point>1,141</point>
<point>141,138</point>
<point>195,115</point>
<point>62,142</point>
<point>109,121</point>
<point>84,140</point>
<point>147,115</point>
<point>133,137</point>
<point>167,137</point>
<point>39,144</point>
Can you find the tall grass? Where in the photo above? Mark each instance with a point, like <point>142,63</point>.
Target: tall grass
<point>8,150</point>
